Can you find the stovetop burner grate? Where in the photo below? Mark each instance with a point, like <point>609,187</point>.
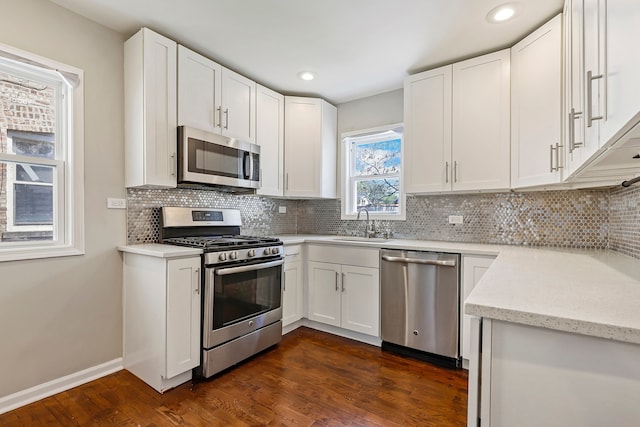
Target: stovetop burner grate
<point>212,242</point>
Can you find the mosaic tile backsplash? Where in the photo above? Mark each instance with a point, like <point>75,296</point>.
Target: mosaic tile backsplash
<point>578,218</point>
<point>554,218</point>
<point>260,215</point>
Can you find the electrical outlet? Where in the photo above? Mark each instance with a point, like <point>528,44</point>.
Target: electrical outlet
<point>113,203</point>
<point>456,219</point>
<point>282,209</point>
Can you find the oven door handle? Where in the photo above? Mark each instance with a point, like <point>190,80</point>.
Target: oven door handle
<point>245,268</point>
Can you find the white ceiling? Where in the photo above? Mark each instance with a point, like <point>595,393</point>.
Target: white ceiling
<point>357,48</point>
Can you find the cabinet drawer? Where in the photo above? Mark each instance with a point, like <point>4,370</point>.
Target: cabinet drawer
<point>292,253</point>
<point>364,257</point>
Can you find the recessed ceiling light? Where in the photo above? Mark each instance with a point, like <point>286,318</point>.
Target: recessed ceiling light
<point>306,75</point>
<point>504,12</point>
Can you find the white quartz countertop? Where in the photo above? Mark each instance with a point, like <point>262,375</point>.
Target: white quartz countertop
<point>160,250</point>
<point>590,292</point>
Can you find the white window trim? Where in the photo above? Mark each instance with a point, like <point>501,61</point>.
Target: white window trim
<point>70,202</point>
<point>346,174</point>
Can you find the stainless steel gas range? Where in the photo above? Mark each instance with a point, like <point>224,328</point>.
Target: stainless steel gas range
<point>241,302</point>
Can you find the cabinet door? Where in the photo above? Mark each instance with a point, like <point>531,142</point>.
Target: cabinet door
<point>593,66</point>
<point>303,127</point>
<point>427,137</point>
<point>199,91</point>
<point>481,116</point>
<point>361,299</point>
<point>618,37</point>
<point>292,293</point>
<point>473,268</point>
<point>324,292</point>
<point>238,106</point>
<point>183,315</point>
<point>536,107</point>
<point>150,110</point>
<point>575,86</point>
<point>270,138</point>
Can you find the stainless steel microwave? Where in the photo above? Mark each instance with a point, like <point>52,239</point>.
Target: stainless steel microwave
<point>210,159</point>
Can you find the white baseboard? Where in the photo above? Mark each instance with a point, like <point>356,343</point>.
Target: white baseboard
<point>367,339</point>
<point>30,395</point>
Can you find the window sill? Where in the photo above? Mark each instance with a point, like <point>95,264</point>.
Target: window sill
<point>38,252</point>
<point>374,217</point>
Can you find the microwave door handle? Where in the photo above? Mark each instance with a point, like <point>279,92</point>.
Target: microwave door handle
<point>246,165</point>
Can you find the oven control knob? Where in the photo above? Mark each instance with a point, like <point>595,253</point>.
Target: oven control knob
<point>251,253</point>
<point>222,256</point>
<point>233,255</point>
<point>275,251</point>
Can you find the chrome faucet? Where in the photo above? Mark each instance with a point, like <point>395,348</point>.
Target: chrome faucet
<point>369,230</point>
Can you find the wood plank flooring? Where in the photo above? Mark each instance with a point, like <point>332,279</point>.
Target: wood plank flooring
<point>310,379</point>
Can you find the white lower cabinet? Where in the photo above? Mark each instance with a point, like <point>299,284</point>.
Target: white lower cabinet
<point>345,295</point>
<point>292,287</point>
<point>473,268</point>
<point>161,300</point>
<point>532,376</point>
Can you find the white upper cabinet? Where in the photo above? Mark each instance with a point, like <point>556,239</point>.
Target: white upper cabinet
<point>238,106</point>
<point>150,110</point>
<point>199,91</point>
<point>481,122</point>
<point>604,89</point>
<point>457,126</point>
<point>427,136</point>
<point>537,151</point>
<point>270,138</point>
<point>310,148</point>
<point>215,99</point>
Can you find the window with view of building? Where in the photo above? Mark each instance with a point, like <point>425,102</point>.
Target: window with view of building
<point>40,157</point>
<point>372,173</point>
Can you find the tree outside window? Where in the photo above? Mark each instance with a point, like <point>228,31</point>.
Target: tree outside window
<point>373,166</point>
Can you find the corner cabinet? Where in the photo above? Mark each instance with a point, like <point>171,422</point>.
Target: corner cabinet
<point>293,285</point>
<point>457,126</point>
<point>150,112</point>
<point>310,148</point>
<point>161,311</point>
<point>215,99</point>
<point>344,289</point>
<point>537,149</point>
<point>270,138</point>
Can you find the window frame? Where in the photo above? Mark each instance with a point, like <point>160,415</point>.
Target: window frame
<point>348,193</point>
<point>68,177</point>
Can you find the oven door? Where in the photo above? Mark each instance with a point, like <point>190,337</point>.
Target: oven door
<point>208,158</point>
<point>240,299</point>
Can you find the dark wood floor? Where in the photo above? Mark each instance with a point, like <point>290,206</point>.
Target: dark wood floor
<point>310,379</point>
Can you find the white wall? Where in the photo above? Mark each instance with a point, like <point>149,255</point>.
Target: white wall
<point>62,315</point>
<point>370,112</point>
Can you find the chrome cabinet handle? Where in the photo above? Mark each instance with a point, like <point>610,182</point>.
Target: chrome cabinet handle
<point>219,125</point>
<point>573,116</point>
<point>446,172</point>
<point>337,276</point>
<point>558,166</point>
<point>197,281</point>
<point>455,171</point>
<point>343,277</point>
<point>438,262</point>
<point>226,118</point>
<point>590,79</point>
<point>173,164</point>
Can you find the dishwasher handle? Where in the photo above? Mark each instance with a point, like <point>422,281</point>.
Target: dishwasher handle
<point>438,262</point>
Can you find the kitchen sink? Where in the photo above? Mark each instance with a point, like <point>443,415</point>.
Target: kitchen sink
<point>360,239</point>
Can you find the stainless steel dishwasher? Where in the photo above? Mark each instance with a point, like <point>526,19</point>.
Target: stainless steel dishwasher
<point>419,299</point>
